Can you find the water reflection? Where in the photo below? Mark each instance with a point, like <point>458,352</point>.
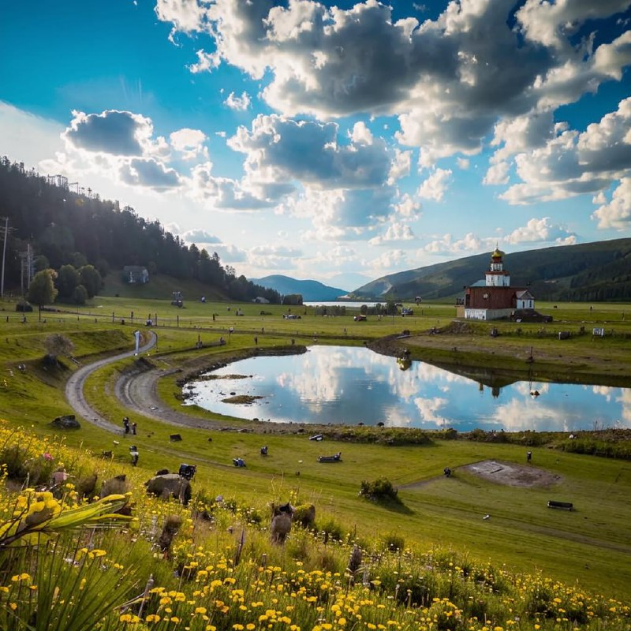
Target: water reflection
<point>352,385</point>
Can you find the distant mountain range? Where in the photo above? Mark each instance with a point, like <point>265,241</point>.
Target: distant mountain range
<point>311,290</point>
<point>599,271</point>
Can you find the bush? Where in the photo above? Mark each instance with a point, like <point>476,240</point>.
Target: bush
<point>331,530</point>
<point>393,542</point>
<point>20,464</point>
<point>380,489</point>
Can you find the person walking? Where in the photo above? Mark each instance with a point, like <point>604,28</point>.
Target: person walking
<point>126,424</point>
<point>529,457</point>
<point>133,428</point>
<point>133,452</point>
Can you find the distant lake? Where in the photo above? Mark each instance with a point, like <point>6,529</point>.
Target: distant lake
<point>343,385</point>
<point>350,304</point>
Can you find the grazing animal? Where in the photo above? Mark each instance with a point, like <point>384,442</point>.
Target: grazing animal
<point>281,522</point>
<point>116,486</point>
<point>304,515</point>
<point>170,485</point>
<point>85,486</point>
<point>169,530</point>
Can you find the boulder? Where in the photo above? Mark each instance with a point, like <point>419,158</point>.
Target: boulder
<point>170,485</point>
<point>66,422</point>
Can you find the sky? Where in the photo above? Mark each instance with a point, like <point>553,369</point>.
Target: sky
<point>332,141</point>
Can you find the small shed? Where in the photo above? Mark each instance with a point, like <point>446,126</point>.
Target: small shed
<point>135,274</point>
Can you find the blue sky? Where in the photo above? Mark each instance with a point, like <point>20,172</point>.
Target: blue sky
<point>339,142</point>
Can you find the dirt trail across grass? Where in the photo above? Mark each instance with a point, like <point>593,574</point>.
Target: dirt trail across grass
<point>137,391</point>
<point>76,384</point>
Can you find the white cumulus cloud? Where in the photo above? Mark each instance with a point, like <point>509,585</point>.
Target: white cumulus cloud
<point>435,186</point>
<point>396,232</point>
<point>240,103</point>
<point>617,213</point>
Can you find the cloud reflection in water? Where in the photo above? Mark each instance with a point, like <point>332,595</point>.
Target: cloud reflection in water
<point>352,385</point>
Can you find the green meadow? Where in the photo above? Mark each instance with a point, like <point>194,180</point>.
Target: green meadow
<point>589,547</point>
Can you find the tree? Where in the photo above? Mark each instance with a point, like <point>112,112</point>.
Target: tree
<point>57,344</point>
<point>79,295</point>
<point>103,267</point>
<point>91,280</point>
<point>40,263</point>
<point>42,290</point>
<point>292,299</point>
<point>67,279</point>
<point>78,259</point>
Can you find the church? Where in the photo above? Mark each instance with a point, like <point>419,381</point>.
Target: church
<point>494,298</point>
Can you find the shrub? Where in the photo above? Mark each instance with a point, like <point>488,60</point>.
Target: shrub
<point>331,530</point>
<point>380,489</point>
<point>393,542</point>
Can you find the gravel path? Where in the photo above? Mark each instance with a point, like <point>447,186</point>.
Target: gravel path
<point>138,392</point>
<point>76,384</point>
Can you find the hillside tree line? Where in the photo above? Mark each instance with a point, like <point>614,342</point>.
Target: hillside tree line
<point>84,238</point>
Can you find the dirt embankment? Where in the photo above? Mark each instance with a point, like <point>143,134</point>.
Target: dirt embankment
<point>459,347</point>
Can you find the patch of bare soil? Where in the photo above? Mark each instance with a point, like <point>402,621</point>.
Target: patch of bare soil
<point>512,474</point>
<point>241,398</point>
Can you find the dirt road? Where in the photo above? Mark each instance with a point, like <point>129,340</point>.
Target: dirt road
<point>136,390</point>
<point>76,384</point>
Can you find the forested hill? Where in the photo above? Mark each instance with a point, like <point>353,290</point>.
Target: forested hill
<point>68,228</point>
<point>599,271</point>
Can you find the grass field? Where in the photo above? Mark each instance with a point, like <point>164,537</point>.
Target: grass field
<point>591,545</point>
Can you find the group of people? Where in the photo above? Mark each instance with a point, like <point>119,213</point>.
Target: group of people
<point>130,428</point>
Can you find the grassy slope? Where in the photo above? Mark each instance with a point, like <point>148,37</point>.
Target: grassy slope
<point>159,287</point>
<point>592,544</point>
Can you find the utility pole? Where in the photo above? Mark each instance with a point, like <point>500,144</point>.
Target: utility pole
<point>26,268</point>
<point>5,231</point>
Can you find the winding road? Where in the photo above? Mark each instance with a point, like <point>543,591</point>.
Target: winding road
<point>137,391</point>
<point>76,384</point>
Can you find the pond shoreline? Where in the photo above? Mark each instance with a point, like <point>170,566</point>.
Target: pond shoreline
<point>510,361</point>
<point>196,417</point>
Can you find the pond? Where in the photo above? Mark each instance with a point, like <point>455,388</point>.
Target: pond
<point>348,385</point>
